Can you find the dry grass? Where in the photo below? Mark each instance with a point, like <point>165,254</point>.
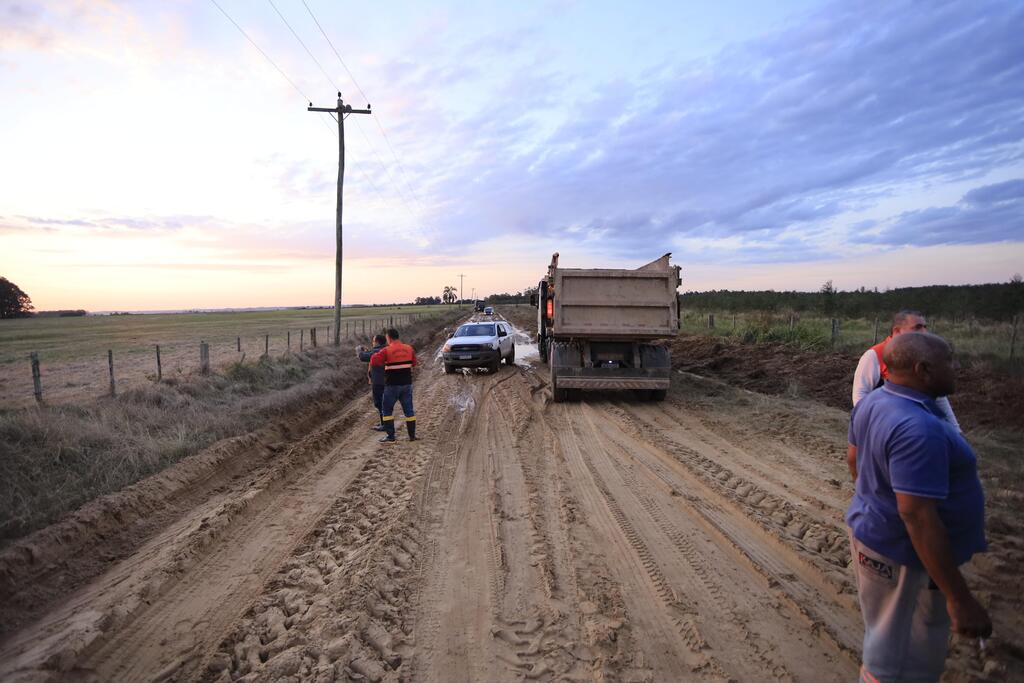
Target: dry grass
<point>54,458</point>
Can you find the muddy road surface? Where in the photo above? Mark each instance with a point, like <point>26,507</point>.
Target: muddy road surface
<point>605,539</point>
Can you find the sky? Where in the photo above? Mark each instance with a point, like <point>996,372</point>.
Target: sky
<point>159,154</point>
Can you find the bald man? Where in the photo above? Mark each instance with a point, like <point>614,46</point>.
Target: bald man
<point>917,514</point>
<point>872,370</point>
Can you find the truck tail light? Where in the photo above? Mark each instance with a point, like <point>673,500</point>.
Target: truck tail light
<point>551,309</point>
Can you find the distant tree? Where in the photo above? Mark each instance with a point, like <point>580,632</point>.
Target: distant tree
<point>828,298</point>
<point>450,295</point>
<point>1017,279</point>
<point>427,300</point>
<point>14,303</point>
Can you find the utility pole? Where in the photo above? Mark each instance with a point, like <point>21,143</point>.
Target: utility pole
<point>461,298</point>
<point>341,112</point>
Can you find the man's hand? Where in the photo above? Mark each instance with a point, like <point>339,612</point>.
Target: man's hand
<point>969,618</point>
<point>360,348</point>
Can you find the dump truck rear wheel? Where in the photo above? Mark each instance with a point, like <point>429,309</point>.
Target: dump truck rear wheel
<point>657,394</point>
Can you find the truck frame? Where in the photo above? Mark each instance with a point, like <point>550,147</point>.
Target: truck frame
<point>602,328</point>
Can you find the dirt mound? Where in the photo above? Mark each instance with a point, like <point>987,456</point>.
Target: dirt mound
<point>985,398</point>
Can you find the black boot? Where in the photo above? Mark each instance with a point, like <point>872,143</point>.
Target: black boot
<point>410,426</point>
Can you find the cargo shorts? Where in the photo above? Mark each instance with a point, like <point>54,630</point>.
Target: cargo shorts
<point>906,626</point>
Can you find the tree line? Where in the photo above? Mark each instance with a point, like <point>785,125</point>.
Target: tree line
<point>999,301</point>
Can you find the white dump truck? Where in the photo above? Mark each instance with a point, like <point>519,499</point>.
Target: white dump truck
<point>600,328</point>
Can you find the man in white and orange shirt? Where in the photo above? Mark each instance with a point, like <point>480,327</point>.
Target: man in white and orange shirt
<point>872,372</point>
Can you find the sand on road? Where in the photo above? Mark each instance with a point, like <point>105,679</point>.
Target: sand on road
<point>604,539</point>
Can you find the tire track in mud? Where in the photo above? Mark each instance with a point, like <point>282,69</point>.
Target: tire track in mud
<point>673,647</point>
<point>737,618</point>
<point>84,632</point>
<point>342,606</point>
<point>812,585</point>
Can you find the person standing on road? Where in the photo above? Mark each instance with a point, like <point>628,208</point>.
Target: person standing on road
<point>917,514</point>
<point>872,371</point>
<point>375,376</point>
<point>398,359</point>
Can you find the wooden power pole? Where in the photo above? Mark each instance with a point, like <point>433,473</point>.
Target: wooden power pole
<point>340,112</point>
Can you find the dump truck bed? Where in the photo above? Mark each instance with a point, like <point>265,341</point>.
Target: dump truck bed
<point>616,304</point>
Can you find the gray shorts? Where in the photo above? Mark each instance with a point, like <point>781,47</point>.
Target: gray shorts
<point>906,626</point>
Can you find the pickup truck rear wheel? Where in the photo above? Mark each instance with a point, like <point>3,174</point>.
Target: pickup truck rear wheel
<point>510,359</point>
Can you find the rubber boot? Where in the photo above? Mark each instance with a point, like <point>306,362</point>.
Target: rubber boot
<point>389,428</point>
<point>410,426</point>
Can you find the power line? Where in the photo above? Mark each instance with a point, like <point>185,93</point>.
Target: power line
<point>383,133</point>
<point>332,131</point>
<point>260,50</point>
<point>304,47</point>
<point>359,127</point>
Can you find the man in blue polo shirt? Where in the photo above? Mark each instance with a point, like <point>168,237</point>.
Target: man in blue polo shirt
<point>918,512</point>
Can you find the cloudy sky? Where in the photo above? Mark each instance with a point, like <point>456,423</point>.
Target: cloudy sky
<point>152,157</point>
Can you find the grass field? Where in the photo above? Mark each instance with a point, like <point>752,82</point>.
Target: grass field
<point>73,351</point>
<point>975,340</point>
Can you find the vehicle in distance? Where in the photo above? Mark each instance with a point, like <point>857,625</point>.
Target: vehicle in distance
<point>479,306</point>
<point>489,310</point>
<point>479,345</point>
<point>599,328</point>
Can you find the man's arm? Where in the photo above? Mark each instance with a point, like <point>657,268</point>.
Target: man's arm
<point>851,460</point>
<point>943,403</point>
<point>365,355</point>
<point>931,541</point>
<point>866,377</point>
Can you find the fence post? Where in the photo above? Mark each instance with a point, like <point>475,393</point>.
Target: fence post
<point>110,367</point>
<point>734,321</point>
<point>289,341</point>
<point>266,345</point>
<point>159,368</point>
<point>347,333</point>
<point>1013,337</point>
<point>791,321</point>
<point>312,336</point>
<point>204,358</point>
<point>711,321</point>
<point>37,382</point>
<point>835,331</point>
<point>302,337</point>
<point>876,332</point>
<point>238,343</point>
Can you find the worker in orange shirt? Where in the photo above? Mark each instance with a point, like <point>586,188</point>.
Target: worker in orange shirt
<point>398,359</point>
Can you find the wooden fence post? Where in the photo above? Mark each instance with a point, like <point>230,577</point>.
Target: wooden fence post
<point>711,321</point>
<point>876,332</point>
<point>1013,337</point>
<point>289,341</point>
<point>302,337</point>
<point>347,333</point>
<point>792,322</point>
<point>37,382</point>
<point>734,321</point>
<point>159,367</point>
<point>238,343</point>
<point>110,367</point>
<point>835,331</point>
<point>312,336</point>
<point>204,358</point>
<point>266,345</point>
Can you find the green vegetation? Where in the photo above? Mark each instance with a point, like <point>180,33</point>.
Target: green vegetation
<point>975,341</point>
<point>955,302</point>
<point>67,339</point>
<point>54,458</point>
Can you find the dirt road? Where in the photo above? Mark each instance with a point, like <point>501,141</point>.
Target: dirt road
<point>606,539</point>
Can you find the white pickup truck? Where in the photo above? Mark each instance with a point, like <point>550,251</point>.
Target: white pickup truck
<point>479,345</point>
